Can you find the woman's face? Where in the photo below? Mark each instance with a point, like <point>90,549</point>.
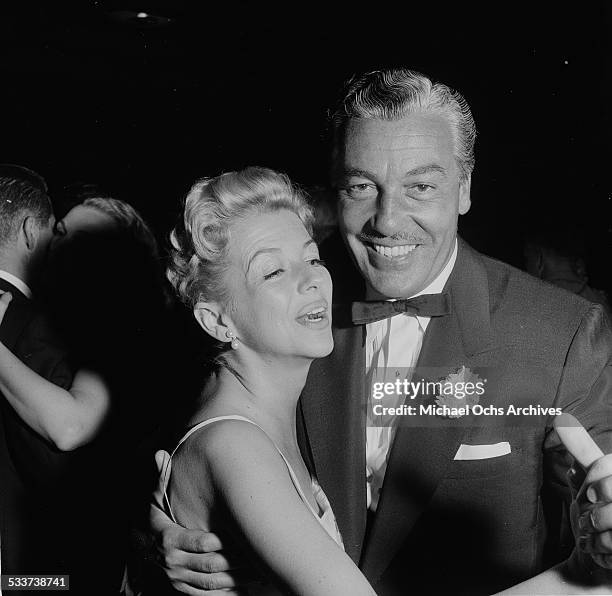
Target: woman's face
<point>83,219</point>
<point>279,291</point>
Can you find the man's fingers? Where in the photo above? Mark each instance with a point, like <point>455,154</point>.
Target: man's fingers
<point>207,583</point>
<point>596,543</point>
<point>177,538</point>
<point>191,591</point>
<point>203,581</point>
<point>600,490</point>
<point>596,519</point>
<point>577,440</point>
<point>600,469</point>
<point>184,588</point>
<point>204,563</point>
<point>192,541</point>
<point>162,459</point>
<point>164,466</point>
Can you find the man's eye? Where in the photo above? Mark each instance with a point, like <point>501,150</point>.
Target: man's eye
<point>362,190</point>
<point>274,274</point>
<point>422,187</point>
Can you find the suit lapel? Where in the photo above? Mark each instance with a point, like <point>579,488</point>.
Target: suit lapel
<point>333,411</point>
<point>419,455</point>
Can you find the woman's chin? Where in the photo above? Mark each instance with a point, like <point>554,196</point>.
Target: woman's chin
<point>310,349</point>
<point>322,350</point>
<point>329,349</point>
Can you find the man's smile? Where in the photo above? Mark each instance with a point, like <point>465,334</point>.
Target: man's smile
<point>397,250</point>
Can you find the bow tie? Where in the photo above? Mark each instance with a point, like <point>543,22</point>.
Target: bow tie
<point>425,305</point>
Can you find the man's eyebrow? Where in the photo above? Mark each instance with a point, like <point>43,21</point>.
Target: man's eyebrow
<point>418,171</point>
<point>358,173</point>
<point>427,169</point>
<point>263,251</point>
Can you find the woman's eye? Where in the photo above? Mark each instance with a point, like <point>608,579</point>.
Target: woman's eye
<point>273,274</point>
<point>317,262</point>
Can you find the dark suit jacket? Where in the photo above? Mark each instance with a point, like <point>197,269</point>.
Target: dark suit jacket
<point>466,527</point>
<point>31,470</point>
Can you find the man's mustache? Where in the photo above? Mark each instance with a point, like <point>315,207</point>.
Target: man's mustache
<point>369,234</point>
<point>373,238</point>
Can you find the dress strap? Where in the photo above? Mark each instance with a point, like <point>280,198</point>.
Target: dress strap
<point>209,421</point>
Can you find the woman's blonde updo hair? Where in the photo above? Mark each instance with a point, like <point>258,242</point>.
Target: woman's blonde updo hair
<point>200,241</point>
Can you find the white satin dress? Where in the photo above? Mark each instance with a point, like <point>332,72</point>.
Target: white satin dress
<point>325,515</point>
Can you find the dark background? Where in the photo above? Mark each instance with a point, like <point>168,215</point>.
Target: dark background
<point>145,106</point>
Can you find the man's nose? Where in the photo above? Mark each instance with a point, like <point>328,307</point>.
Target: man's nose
<point>390,211</point>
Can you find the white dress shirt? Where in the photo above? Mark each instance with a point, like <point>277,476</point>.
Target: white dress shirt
<point>18,283</point>
<point>392,346</point>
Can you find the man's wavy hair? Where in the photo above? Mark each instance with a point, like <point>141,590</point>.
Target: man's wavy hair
<point>391,94</point>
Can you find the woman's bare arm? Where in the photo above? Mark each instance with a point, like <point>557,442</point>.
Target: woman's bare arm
<point>67,418</point>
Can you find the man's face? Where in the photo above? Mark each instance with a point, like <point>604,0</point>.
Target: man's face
<point>399,199</point>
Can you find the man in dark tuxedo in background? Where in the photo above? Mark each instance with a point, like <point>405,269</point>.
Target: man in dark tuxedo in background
<point>31,470</point>
<point>437,505</point>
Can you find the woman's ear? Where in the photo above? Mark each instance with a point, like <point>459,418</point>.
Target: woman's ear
<point>210,317</point>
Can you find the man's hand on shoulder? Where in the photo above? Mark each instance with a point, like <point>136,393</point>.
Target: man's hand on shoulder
<point>192,560</point>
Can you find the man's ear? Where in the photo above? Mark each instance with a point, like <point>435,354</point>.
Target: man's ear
<point>210,317</point>
<point>29,232</point>
<point>464,195</point>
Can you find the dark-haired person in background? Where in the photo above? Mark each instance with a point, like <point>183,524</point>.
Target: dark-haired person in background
<point>99,245</point>
<point>558,256</point>
<point>32,469</point>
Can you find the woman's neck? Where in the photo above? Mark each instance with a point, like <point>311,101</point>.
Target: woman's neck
<point>263,389</point>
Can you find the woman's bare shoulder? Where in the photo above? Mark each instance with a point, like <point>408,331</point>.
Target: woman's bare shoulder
<point>228,446</point>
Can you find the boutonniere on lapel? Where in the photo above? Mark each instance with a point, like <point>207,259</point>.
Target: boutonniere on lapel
<point>458,392</point>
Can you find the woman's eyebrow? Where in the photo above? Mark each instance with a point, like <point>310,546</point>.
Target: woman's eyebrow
<point>263,251</point>
<point>260,252</point>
